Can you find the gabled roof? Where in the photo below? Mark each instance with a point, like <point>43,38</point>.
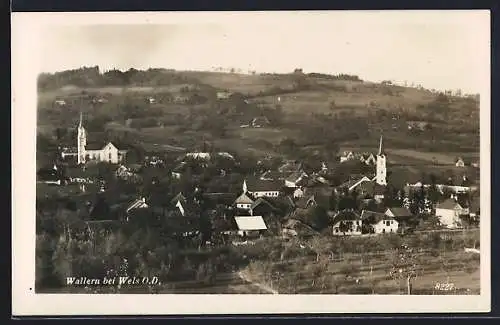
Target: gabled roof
<point>260,201</point>
<point>449,204</point>
<point>259,185</point>
<point>374,217</point>
<point>250,223</point>
<point>271,175</point>
<point>346,215</point>
<point>179,197</point>
<point>299,226</point>
<point>295,176</point>
<point>305,200</point>
<point>139,203</point>
<point>243,199</point>
<point>354,182</point>
<point>399,212</point>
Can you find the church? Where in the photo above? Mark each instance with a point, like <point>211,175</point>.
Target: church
<point>371,186</point>
<point>90,152</point>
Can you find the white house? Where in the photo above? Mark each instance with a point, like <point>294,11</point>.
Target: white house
<point>380,222</point>
<point>347,155</point>
<point>294,179</point>
<point>459,162</point>
<point>243,202</point>
<point>449,213</point>
<point>347,223</point>
<point>250,225</point>
<point>298,193</point>
<point>260,188</point>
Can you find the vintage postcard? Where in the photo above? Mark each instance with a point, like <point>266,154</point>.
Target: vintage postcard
<point>251,162</point>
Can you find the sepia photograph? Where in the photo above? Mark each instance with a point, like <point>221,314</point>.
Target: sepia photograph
<point>290,154</point>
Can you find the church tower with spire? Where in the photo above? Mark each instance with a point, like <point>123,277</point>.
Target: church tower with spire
<point>381,173</point>
<point>81,141</point>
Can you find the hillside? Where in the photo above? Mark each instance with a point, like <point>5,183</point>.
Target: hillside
<point>308,114</point>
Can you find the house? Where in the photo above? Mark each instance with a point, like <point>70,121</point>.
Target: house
<point>459,162</point>
<point>243,202</point>
<point>400,214</point>
<point>223,95</point>
<point>180,202</point>
<point>270,175</point>
<point>368,159</point>
<point>354,182</point>
<point>290,166</point>
<point>259,121</point>
<point>347,223</point>
<point>60,102</point>
<point>379,223</point>
<point>306,202</point>
<point>199,155</point>
<point>262,207</point>
<point>123,172</point>
<point>346,155</point>
<point>260,188</point>
<point>417,125</point>
<point>449,213</point>
<point>298,193</point>
<point>50,176</point>
<point>250,226</point>
<point>293,227</point>
<point>151,100</point>
<point>475,164</point>
<point>295,179</point>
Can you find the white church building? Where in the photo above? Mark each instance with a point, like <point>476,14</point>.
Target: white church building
<point>97,153</point>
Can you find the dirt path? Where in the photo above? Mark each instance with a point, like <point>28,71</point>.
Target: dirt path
<point>261,286</point>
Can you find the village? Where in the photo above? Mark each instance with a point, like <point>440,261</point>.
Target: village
<point>276,189</point>
<point>287,199</point>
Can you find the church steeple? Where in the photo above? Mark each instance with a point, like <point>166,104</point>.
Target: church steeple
<point>81,118</point>
<point>381,147</point>
<point>81,141</point>
<point>245,188</point>
<point>381,171</point>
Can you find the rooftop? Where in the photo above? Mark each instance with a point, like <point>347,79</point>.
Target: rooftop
<point>250,223</point>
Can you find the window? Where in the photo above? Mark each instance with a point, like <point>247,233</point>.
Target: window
<point>387,223</point>
<point>109,156</point>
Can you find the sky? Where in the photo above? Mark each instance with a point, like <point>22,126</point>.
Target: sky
<point>441,50</point>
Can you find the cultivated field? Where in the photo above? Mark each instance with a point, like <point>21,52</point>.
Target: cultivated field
<point>368,272</point>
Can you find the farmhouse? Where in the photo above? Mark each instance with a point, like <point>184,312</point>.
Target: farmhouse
<point>449,213</point>
<point>402,215</point>
<point>293,227</point>
<point>223,95</point>
<point>261,207</point>
<point>346,155</point>
<point>347,223</point>
<point>243,202</point>
<point>259,121</point>
<point>379,223</point>
<point>50,176</point>
<point>295,179</point>
<point>306,202</point>
<point>260,188</point>
<point>459,162</point>
<point>250,226</point>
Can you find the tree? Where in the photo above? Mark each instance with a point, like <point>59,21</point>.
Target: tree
<point>318,218</point>
<point>405,266</point>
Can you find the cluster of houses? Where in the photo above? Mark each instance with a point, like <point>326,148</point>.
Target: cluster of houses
<point>286,194</point>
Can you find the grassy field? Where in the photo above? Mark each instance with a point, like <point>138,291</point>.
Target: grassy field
<point>368,273</point>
